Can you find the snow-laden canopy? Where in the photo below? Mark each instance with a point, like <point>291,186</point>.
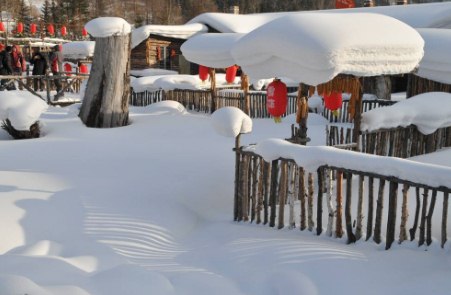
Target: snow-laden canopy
<point>428,111</point>
<point>22,108</point>
<point>180,32</point>
<point>436,63</point>
<point>231,121</point>
<point>79,49</point>
<point>327,45</point>
<point>211,50</point>
<point>313,157</point>
<point>108,26</point>
<point>427,15</point>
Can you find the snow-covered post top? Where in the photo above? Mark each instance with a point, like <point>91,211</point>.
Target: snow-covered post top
<point>102,27</point>
<point>231,122</point>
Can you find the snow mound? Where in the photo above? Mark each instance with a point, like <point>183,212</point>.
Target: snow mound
<point>13,284</point>
<point>326,45</point>
<point>102,27</point>
<point>168,107</point>
<point>79,49</point>
<point>428,111</point>
<point>22,108</point>
<point>231,121</point>
<point>152,72</point>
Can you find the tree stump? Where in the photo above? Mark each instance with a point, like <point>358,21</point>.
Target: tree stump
<point>105,103</point>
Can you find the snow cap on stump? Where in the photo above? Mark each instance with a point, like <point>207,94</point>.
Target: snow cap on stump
<point>231,121</point>
<point>108,26</point>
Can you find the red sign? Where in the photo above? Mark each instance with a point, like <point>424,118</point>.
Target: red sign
<point>344,4</point>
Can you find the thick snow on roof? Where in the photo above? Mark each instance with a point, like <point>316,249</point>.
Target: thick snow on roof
<point>327,45</point>
<point>79,49</point>
<point>436,63</point>
<point>430,15</point>
<point>428,111</point>
<point>211,50</point>
<point>108,26</point>
<point>180,32</point>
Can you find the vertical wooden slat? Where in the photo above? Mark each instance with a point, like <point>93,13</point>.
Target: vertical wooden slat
<point>404,214</point>
<point>292,179</point>
<point>413,230</point>
<point>310,222</point>
<point>273,192</point>
<point>423,218</point>
<point>369,222</point>
<point>254,187</point>
<point>301,197</point>
<point>330,206</point>
<point>339,224</point>
<point>266,190</point>
<point>379,209</point>
<point>319,206</point>
<point>429,218</point>
<point>282,193</point>
<point>260,190</point>
<point>391,220</point>
<point>444,218</point>
<point>359,224</point>
<point>245,188</point>
<point>348,218</point>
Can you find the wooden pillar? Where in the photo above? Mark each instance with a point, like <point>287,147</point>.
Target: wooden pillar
<point>237,176</point>
<point>357,116</point>
<point>212,74</point>
<point>245,88</point>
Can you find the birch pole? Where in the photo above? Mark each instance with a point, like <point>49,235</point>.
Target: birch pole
<point>105,103</point>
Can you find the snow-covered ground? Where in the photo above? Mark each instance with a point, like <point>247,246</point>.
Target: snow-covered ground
<point>148,209</point>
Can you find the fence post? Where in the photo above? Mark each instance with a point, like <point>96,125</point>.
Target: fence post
<point>391,220</point>
<point>273,192</point>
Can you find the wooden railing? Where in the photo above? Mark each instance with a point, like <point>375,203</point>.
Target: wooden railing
<point>367,105</point>
<point>282,194</point>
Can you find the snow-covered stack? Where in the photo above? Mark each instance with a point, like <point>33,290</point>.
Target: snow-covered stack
<point>436,63</point>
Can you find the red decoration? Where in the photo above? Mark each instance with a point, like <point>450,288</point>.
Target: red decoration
<point>68,68</point>
<point>2,27</point>
<point>83,69</point>
<point>19,29</point>
<point>203,72</point>
<point>63,31</point>
<point>51,29</point>
<point>84,32</point>
<point>276,99</point>
<point>333,102</point>
<point>33,28</point>
<point>344,4</point>
<point>231,74</point>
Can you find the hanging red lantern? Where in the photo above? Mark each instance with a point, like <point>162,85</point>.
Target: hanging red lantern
<point>51,29</point>
<point>231,74</point>
<point>84,32</point>
<point>2,27</point>
<point>333,102</point>
<point>33,28</point>
<point>68,68</point>
<point>83,69</point>
<point>203,73</point>
<point>276,99</point>
<point>63,31</point>
<point>19,28</point>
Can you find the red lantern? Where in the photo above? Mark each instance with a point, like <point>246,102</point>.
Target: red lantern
<point>2,27</point>
<point>33,28</point>
<point>84,32</point>
<point>231,74</point>
<point>83,69</point>
<point>63,31</point>
<point>68,69</point>
<point>19,28</point>
<point>51,29</point>
<point>276,99</point>
<point>203,72</point>
<point>333,102</point>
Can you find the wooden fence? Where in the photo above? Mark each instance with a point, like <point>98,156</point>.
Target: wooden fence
<point>367,105</point>
<point>281,194</point>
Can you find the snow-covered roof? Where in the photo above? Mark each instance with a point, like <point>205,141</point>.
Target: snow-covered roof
<point>211,50</point>
<point>180,32</point>
<point>327,45</point>
<point>428,111</point>
<point>430,15</point>
<point>79,49</point>
<point>436,63</point>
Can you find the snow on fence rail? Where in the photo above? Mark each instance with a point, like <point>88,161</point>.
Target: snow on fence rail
<point>282,193</point>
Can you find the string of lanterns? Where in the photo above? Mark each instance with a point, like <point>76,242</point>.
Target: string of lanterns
<point>33,29</point>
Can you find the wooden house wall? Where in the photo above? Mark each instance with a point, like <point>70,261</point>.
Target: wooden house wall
<point>145,55</point>
<point>417,85</point>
